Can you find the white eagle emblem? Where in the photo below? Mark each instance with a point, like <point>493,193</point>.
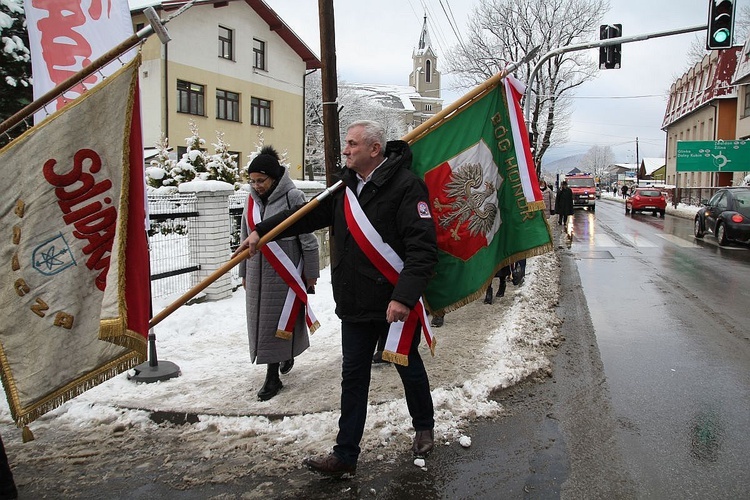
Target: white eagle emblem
<point>475,201</point>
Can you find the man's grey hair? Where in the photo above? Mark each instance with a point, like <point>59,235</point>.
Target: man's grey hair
<point>372,131</point>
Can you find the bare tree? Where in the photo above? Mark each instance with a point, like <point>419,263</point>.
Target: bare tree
<point>504,31</point>
<point>597,159</point>
<point>352,106</point>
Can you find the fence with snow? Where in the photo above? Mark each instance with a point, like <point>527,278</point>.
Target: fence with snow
<point>194,232</point>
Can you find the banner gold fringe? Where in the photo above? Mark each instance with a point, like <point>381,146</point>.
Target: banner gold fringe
<point>281,334</point>
<point>533,252</point>
<point>314,327</point>
<point>395,357</point>
<point>25,416</point>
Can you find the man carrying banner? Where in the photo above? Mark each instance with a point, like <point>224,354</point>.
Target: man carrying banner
<point>384,252</point>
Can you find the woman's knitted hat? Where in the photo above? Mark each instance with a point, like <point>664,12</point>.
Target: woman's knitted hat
<point>267,162</point>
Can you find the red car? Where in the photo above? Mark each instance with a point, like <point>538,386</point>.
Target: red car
<point>646,199</point>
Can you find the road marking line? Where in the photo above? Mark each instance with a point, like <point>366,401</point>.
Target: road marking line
<point>639,241</point>
<point>680,242</point>
<point>602,240</point>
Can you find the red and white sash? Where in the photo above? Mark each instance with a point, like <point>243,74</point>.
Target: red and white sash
<point>296,297</point>
<point>387,261</point>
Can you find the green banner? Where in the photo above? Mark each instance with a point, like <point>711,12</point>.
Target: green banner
<point>713,156</point>
<point>481,215</point>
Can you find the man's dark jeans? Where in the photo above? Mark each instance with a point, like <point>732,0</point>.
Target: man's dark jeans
<point>358,341</point>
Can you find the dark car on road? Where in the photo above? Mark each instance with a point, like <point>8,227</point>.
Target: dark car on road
<point>646,200</point>
<point>726,215</point>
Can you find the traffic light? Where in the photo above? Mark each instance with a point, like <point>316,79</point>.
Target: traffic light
<point>720,24</point>
<point>609,56</point>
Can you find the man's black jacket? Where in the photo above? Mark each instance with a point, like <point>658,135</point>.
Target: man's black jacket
<point>394,201</point>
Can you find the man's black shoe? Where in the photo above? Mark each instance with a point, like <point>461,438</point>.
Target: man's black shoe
<point>424,442</point>
<point>501,288</point>
<point>488,296</point>
<point>437,321</point>
<point>330,465</point>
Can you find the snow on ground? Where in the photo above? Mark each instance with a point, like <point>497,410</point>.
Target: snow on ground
<point>481,348</point>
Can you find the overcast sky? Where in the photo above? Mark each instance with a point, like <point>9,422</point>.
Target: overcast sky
<point>374,42</point>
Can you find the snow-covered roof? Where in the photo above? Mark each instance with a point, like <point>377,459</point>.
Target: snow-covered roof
<point>710,79</point>
<point>424,43</point>
<point>652,164</point>
<point>389,96</point>
<point>626,166</point>
<point>742,72</point>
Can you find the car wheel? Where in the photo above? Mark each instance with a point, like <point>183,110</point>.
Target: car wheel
<point>698,228</point>
<point>627,210</point>
<point>721,235</point>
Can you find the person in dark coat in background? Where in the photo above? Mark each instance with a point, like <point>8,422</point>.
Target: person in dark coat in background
<point>7,485</point>
<point>564,204</point>
<point>396,203</point>
<point>266,291</point>
<point>624,190</point>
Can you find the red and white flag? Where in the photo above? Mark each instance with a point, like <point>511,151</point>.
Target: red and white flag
<point>67,35</point>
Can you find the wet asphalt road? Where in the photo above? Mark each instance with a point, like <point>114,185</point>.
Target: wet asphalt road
<point>671,315</point>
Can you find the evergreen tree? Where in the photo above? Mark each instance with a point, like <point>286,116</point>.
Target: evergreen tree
<point>222,166</point>
<point>158,173</point>
<point>15,65</point>
<point>193,163</point>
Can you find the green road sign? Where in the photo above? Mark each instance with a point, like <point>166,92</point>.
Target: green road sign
<point>713,156</point>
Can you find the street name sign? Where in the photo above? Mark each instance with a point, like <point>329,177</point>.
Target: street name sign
<point>713,156</point>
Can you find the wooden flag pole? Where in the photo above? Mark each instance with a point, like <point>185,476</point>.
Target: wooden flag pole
<point>467,99</point>
<point>308,207</point>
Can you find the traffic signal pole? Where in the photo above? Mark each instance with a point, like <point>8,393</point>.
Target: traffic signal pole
<point>592,45</point>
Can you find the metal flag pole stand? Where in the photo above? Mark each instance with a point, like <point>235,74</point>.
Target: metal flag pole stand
<point>152,370</point>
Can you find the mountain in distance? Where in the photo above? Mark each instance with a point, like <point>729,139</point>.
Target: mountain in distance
<point>563,165</point>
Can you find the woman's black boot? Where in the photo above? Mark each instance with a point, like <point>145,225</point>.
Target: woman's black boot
<point>488,295</point>
<point>272,385</point>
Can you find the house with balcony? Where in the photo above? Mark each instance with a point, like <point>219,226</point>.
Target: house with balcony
<point>232,66</point>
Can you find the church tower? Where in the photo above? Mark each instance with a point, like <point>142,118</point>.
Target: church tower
<point>425,77</point>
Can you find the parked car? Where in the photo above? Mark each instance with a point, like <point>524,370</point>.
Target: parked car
<point>726,215</point>
<point>646,200</point>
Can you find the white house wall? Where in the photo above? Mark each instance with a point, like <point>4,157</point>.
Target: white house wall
<point>193,56</point>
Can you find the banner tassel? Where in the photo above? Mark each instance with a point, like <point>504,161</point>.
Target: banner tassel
<point>26,434</point>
